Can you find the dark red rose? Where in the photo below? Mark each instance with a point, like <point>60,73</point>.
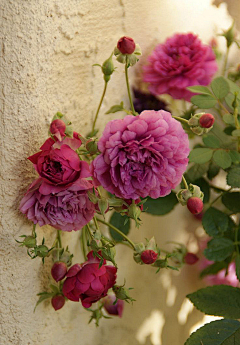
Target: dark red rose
<point>148,257</point>
<point>58,271</point>
<point>195,205</point>
<point>206,120</point>
<point>126,45</point>
<point>58,302</point>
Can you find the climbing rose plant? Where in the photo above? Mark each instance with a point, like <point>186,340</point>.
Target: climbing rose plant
<point>143,163</point>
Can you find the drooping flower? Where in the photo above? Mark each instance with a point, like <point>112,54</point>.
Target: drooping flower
<point>67,210</point>
<point>182,61</point>
<point>88,282</point>
<point>58,164</point>
<point>141,156</point>
<point>59,270</point>
<point>111,307</point>
<point>58,302</point>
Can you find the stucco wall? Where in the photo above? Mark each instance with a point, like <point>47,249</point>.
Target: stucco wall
<point>48,51</point>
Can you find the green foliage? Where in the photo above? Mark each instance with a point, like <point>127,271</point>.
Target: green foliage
<point>205,188</point>
<point>215,222</point>
<point>220,87</point>
<point>161,206</point>
<point>200,89</point>
<point>219,300</point>
<point>204,101</point>
<point>235,156</point>
<point>121,223</point>
<point>213,170</point>
<point>115,108</point>
<point>196,171</point>
<point>219,249</point>
<point>233,177</point>
<point>222,159</point>
<point>211,141</point>
<point>213,269</point>
<point>200,155</point>
<point>220,332</point>
<point>232,201</point>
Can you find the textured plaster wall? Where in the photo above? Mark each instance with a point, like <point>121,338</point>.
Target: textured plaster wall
<point>47,53</point>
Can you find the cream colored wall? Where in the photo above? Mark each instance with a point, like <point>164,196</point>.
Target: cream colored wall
<point>48,50</point>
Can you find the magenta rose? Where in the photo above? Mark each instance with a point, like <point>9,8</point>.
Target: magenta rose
<point>58,164</point>
<point>87,282</point>
<point>180,62</point>
<point>111,307</point>
<point>141,156</point>
<point>67,210</point>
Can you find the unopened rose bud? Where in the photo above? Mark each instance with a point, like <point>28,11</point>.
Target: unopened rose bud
<point>29,242</point>
<point>126,45</point>
<point>190,258</point>
<point>42,251</point>
<point>58,128</point>
<point>206,120</point>
<point>111,307</point>
<point>108,68</point>
<point>59,270</point>
<point>149,257</point>
<point>58,302</point>
<point>195,205</point>
<point>122,293</point>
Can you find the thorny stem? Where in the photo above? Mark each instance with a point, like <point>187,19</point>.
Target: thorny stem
<point>185,182</point>
<point>118,231</point>
<point>128,88</point>
<point>99,106</point>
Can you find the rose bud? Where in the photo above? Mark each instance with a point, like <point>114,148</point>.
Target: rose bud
<point>190,259</point>
<point>149,257</point>
<point>58,128</point>
<point>59,270</point>
<point>111,308</point>
<point>195,205</point>
<point>206,120</point>
<point>126,45</point>
<point>58,302</point>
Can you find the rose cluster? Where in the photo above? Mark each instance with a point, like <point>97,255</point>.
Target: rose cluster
<point>59,196</point>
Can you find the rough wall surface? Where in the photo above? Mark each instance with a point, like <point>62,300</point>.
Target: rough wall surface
<point>48,49</point>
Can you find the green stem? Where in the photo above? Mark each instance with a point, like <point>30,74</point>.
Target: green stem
<point>99,106</point>
<point>180,119</point>
<point>89,232</point>
<point>225,62</point>
<point>59,238</point>
<point>219,196</point>
<point>34,230</point>
<point>185,182</point>
<point>128,88</point>
<point>83,242</point>
<point>96,223</point>
<point>118,231</point>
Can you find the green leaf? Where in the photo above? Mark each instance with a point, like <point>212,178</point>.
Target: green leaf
<point>236,133</point>
<point>219,249</point>
<point>228,130</point>
<point>200,89</point>
<point>220,87</point>
<point>118,221</point>
<point>233,86</point>
<point>211,141</point>
<point>204,101</point>
<point>233,177</point>
<point>230,98</point>
<point>215,222</point>
<point>213,170</point>
<point>115,108</point>
<point>219,300</point>
<point>222,159</point>
<point>235,156</point>
<point>232,201</point>
<point>220,332</point>
<point>196,171</point>
<point>229,119</point>
<point>237,262</point>
<point>204,186</point>
<point>200,155</point>
<point>43,296</point>
<point>161,206</point>
<point>213,269</point>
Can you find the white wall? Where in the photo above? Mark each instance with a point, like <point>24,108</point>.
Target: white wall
<point>48,50</point>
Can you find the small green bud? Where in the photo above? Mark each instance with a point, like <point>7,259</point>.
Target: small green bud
<point>229,35</point>
<point>92,197</point>
<point>134,212</point>
<point>122,293</point>
<point>103,205</point>
<point>42,251</point>
<point>235,101</point>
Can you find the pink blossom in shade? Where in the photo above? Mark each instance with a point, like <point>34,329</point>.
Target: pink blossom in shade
<point>68,209</point>
<point>58,164</point>
<point>111,307</point>
<point>88,282</point>
<point>180,62</point>
<point>142,155</point>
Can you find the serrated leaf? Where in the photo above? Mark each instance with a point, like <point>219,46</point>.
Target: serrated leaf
<point>211,141</point>
<point>233,177</point>
<point>161,206</point>
<point>213,269</point>
<point>118,221</point>
<point>219,300</point>
<point>200,155</point>
<point>236,133</point>
<point>54,288</point>
<point>235,156</point>
<point>197,171</point>
<point>200,89</point>
<point>233,86</point>
<point>228,130</point>
<point>222,159</point>
<point>115,108</point>
<point>204,101</point>
<point>219,249</point>
<point>220,332</point>
<point>215,222</point>
<point>213,170</point>
<point>232,201</point>
<point>237,262</point>
<point>220,87</point>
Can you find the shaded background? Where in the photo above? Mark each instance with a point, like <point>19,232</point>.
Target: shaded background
<point>48,49</point>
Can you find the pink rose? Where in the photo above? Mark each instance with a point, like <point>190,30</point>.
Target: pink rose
<point>88,282</point>
<point>58,164</point>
